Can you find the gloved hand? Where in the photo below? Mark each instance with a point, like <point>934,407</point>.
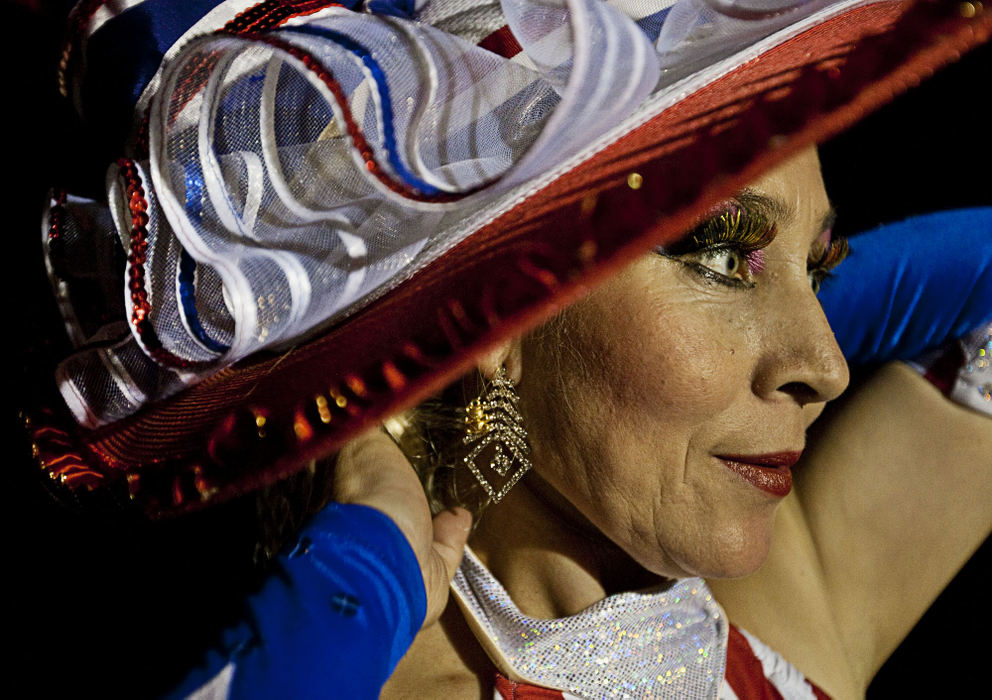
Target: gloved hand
<point>372,471</point>
<point>348,597</point>
<point>911,286</point>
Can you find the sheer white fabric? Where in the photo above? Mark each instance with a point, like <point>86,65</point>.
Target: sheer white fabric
<point>669,642</point>
<point>283,194</point>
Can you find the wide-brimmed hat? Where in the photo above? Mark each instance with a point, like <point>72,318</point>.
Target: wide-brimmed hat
<point>323,215</point>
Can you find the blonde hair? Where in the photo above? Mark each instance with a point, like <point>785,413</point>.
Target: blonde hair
<point>431,437</point>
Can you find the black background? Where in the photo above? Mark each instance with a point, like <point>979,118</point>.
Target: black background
<point>107,602</point>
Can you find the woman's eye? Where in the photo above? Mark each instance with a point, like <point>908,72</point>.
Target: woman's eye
<point>728,247</point>
<point>722,264</point>
<point>725,261</point>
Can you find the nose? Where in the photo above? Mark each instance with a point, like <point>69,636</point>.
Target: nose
<point>800,357</point>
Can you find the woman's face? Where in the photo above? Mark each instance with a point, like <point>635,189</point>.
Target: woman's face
<point>712,349</point>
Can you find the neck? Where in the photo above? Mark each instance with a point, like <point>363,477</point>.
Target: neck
<point>552,562</point>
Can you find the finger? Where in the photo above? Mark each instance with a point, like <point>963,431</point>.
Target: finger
<point>372,468</point>
<point>451,530</point>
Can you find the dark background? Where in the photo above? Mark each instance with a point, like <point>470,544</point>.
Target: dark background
<point>102,600</point>
<point>928,150</point>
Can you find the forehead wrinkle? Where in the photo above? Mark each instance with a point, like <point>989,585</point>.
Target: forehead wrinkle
<point>780,211</point>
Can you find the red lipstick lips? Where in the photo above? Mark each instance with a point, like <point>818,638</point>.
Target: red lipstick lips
<point>770,472</point>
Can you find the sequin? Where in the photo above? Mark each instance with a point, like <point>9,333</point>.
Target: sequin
<point>968,9</point>
<point>973,386</point>
<point>141,308</point>
<point>358,138</point>
<point>666,643</point>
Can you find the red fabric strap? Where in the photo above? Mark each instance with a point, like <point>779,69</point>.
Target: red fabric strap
<point>511,690</point>
<point>746,676</point>
<point>744,671</point>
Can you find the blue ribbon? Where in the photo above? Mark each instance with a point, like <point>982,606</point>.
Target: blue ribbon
<point>389,136</point>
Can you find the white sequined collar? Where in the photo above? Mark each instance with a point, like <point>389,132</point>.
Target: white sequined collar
<point>665,643</point>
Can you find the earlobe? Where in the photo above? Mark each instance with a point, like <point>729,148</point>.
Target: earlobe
<point>507,355</point>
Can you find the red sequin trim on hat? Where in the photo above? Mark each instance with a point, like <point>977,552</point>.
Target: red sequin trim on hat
<point>272,13</point>
<point>141,308</point>
<point>357,137</point>
<point>56,213</point>
<point>56,453</point>
<point>257,18</point>
<point>79,17</point>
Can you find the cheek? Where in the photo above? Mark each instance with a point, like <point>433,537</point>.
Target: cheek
<point>625,409</point>
<point>638,377</point>
<point>661,364</point>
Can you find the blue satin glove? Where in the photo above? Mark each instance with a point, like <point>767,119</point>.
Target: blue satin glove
<point>333,621</point>
<point>911,286</point>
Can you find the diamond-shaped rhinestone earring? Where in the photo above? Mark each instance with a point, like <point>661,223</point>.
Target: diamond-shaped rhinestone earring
<point>493,419</point>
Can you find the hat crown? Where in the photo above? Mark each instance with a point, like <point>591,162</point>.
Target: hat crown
<point>297,173</point>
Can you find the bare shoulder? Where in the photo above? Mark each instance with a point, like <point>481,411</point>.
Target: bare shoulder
<point>445,660</point>
<point>892,496</point>
<point>897,494</point>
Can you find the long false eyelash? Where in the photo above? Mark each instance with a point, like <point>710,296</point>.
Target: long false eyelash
<point>745,228</point>
<point>826,255</point>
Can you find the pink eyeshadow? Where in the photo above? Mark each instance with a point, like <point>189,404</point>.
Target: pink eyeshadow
<point>755,261</point>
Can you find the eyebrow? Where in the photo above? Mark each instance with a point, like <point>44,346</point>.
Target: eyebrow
<point>780,211</point>
<point>772,208</point>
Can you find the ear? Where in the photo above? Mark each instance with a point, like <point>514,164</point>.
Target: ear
<point>507,355</point>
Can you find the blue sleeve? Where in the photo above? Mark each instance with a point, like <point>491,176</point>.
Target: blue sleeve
<point>911,286</point>
<point>334,619</point>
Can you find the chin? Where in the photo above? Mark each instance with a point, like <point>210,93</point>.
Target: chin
<point>730,552</point>
<point>739,567</point>
<point>742,551</point>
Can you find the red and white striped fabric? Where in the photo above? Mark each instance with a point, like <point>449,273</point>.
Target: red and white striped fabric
<point>962,369</point>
